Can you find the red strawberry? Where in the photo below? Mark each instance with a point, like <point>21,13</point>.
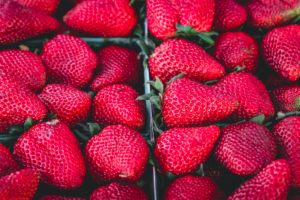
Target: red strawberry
<point>182,150</point>
<point>51,148</point>
<point>117,65</point>
<point>71,105</point>
<point>119,191</point>
<point>17,103</point>
<point>251,94</point>
<point>19,185</point>
<point>117,153</point>
<point>273,80</point>
<point>54,197</point>
<point>7,162</point>
<point>234,49</point>
<point>194,188</point>
<point>179,55</point>
<point>162,16</point>
<point>271,183</point>
<point>229,15</point>
<point>46,6</point>
<point>102,18</point>
<point>69,60</point>
<point>280,50</point>
<point>25,65</point>
<point>117,104</point>
<point>287,134</point>
<point>245,148</point>
<point>19,22</point>
<point>187,103</point>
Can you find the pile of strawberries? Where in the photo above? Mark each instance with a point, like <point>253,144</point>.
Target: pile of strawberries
<point>225,93</point>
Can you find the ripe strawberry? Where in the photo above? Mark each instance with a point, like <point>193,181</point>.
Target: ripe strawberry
<point>17,103</point>
<point>71,105</point>
<point>245,148</point>
<point>229,15</point>
<point>288,139</point>
<point>25,65</point>
<point>116,65</point>
<point>69,60</point>
<point>19,185</point>
<point>54,197</point>
<point>162,16</point>
<point>19,22</point>
<point>7,162</point>
<point>270,183</point>
<point>116,153</point>
<point>251,94</point>
<point>182,150</point>
<point>273,80</point>
<point>46,6</point>
<point>179,55</point>
<point>102,18</point>
<point>51,148</point>
<point>193,188</point>
<point>280,50</point>
<point>234,49</point>
<point>117,104</point>
<point>119,191</point>
<point>187,103</point>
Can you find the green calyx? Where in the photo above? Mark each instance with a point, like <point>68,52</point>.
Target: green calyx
<point>238,68</point>
<point>297,103</point>
<point>84,132</point>
<point>281,115</point>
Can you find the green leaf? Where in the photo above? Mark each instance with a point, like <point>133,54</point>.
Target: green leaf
<point>267,124</point>
<point>92,94</point>
<point>296,21</point>
<point>200,171</point>
<point>152,162</point>
<point>281,115</point>
<point>238,68</point>
<point>220,124</point>
<point>138,31</point>
<point>145,48</point>
<point>16,130</point>
<point>67,32</point>
<point>85,128</point>
<point>259,119</point>
<point>141,183</point>
<point>211,33</point>
<point>185,29</point>
<point>145,63</point>
<point>94,128</point>
<point>155,100</point>
<point>131,2</point>
<point>150,43</point>
<point>210,82</point>
<point>28,124</point>
<point>151,144</point>
<point>80,136</point>
<point>175,77</point>
<point>172,176</point>
<point>158,85</point>
<point>146,96</point>
<point>206,39</point>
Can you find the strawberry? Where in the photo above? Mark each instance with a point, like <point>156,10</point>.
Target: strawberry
<point>119,191</point>
<point>19,185</point>
<point>69,60</point>
<point>7,162</point>
<point>175,56</point>
<point>280,50</point>
<point>54,197</point>
<point>116,65</point>
<point>71,105</point>
<point>251,94</point>
<point>17,103</point>
<point>19,22</point>
<point>229,15</point>
<point>117,104</point>
<point>193,188</point>
<point>116,153</point>
<point>271,183</point>
<point>234,49</point>
<point>288,139</point>
<point>25,65</point>
<point>46,6</point>
<point>51,148</point>
<point>273,80</point>
<point>102,18</point>
<point>163,15</point>
<point>245,148</point>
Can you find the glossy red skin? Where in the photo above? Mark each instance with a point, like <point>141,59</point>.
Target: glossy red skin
<point>273,80</point>
<point>109,19</point>
<point>287,134</point>
<point>280,50</point>
<point>271,183</point>
<point>229,15</point>
<point>245,148</point>
<point>234,49</point>
<point>8,164</point>
<point>68,60</point>
<point>17,103</point>
<point>187,103</point>
<point>117,104</point>
<point>116,65</point>
<point>19,185</point>
<point>46,6</point>
<point>51,148</point>
<point>117,153</point>
<point>251,94</point>
<point>176,56</point>
<point>119,191</point>
<point>162,16</point>
<point>54,197</point>
<point>25,65</point>
<point>193,188</point>
<point>19,22</point>
<point>182,150</point>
